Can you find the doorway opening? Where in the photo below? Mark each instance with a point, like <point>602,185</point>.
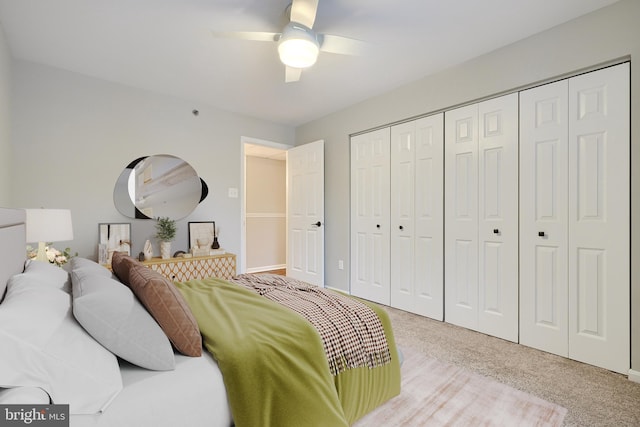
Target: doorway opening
<point>264,219</point>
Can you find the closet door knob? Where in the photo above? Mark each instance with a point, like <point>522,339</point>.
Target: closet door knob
<point>496,231</point>
<point>541,233</point>
<point>401,228</point>
<point>377,225</point>
<point>317,224</point>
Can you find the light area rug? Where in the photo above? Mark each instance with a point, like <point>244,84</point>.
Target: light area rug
<point>435,393</point>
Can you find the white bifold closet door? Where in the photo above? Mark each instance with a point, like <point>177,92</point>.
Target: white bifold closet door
<point>417,216</point>
<point>370,236</point>
<point>481,217</point>
<point>544,217</point>
<point>575,222</point>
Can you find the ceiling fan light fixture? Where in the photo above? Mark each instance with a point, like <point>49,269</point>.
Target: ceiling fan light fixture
<point>298,46</point>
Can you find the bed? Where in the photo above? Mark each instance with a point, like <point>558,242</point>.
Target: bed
<point>130,348</point>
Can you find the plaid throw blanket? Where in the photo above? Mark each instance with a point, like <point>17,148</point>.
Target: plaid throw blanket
<point>351,332</point>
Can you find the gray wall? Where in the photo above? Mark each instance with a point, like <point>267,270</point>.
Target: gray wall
<point>72,135</point>
<point>602,36</point>
<point>5,122</point>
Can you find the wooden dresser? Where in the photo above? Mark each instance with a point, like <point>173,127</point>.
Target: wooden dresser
<point>183,269</point>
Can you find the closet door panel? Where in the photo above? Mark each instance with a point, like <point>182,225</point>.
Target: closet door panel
<point>498,217</point>
<point>370,215</point>
<point>402,215</point>
<point>416,216</point>
<point>429,217</point>
<point>599,215</point>
<point>461,219</point>
<point>543,218</point>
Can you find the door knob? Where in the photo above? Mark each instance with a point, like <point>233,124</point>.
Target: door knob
<point>401,228</point>
<point>541,233</point>
<point>496,231</point>
<point>317,224</point>
<point>377,225</point>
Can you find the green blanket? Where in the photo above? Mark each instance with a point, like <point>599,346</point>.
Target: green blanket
<point>273,362</point>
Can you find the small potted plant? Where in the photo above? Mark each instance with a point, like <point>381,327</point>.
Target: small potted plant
<point>165,233</point>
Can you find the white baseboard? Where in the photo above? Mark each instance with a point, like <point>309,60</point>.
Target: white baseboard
<point>266,268</point>
<point>634,376</point>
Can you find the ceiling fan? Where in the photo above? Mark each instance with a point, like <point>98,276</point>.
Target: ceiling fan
<point>298,44</point>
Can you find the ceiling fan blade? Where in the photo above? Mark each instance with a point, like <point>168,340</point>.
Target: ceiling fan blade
<point>342,45</point>
<point>304,12</point>
<point>247,35</point>
<point>292,74</point>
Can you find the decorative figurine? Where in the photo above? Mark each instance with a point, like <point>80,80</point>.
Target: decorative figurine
<point>148,250</point>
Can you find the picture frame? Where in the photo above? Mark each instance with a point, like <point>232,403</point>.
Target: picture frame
<point>201,236</point>
<point>113,237</point>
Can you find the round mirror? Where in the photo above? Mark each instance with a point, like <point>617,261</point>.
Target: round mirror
<point>158,186</point>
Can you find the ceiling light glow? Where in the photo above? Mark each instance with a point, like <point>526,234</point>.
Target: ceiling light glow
<point>298,46</point>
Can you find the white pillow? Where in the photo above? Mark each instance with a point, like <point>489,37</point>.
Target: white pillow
<point>42,345</point>
<point>49,274</point>
<point>110,312</point>
<point>23,395</point>
<point>89,267</point>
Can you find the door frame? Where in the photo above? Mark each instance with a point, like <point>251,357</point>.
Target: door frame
<point>242,259</point>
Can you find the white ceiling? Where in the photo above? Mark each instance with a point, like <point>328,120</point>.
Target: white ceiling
<point>167,46</point>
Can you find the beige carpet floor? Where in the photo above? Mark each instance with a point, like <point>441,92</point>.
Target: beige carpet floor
<point>436,394</point>
<point>594,397</point>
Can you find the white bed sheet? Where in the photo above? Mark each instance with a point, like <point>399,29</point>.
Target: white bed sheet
<point>191,395</point>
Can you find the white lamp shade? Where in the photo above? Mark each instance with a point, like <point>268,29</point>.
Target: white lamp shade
<point>298,46</point>
<point>49,225</point>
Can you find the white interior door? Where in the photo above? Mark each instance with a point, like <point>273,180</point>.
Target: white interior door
<point>429,217</point>
<point>403,147</point>
<point>305,213</point>
<point>370,236</point>
<point>543,218</point>
<point>498,217</point>
<point>417,216</point>
<point>575,214</point>
<point>461,216</point>
<point>481,217</point>
<point>599,215</point>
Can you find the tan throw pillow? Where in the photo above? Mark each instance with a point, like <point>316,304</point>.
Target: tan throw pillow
<point>165,303</point>
<point>121,263</point>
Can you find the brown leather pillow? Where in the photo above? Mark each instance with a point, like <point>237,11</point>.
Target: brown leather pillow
<point>165,303</point>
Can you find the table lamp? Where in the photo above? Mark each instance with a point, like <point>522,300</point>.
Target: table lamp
<point>48,225</point>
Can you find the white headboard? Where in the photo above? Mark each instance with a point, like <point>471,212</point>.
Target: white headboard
<point>12,244</point>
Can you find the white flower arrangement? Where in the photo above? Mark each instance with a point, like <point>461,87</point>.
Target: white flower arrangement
<point>54,256</point>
